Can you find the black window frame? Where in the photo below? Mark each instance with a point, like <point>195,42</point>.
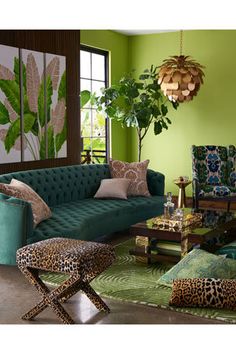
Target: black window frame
<point>105,53</point>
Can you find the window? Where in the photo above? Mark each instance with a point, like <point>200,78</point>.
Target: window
<point>94,125</point>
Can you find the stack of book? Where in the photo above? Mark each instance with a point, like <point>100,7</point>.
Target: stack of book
<point>166,247</point>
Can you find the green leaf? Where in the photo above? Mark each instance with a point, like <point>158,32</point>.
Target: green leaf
<point>164,110</point>
<point>110,111</point>
<point>175,104</point>
<point>61,138</point>
<point>12,92</point>
<point>62,87</point>
<point>85,96</point>
<point>4,115</point>
<point>35,128</point>
<point>26,103</point>
<point>17,71</point>
<point>51,149</point>
<point>42,149</point>
<point>49,92</point>
<point>12,134</point>
<point>155,111</point>
<point>143,77</point>
<point>157,127</point>
<point>41,112</point>
<point>164,125</point>
<point>29,120</point>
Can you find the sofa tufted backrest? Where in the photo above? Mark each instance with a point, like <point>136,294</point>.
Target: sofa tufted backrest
<point>70,183</point>
<point>62,184</point>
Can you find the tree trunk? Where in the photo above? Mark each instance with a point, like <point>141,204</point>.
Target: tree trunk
<point>139,144</point>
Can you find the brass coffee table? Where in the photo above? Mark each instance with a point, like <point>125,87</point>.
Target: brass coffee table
<point>207,229</point>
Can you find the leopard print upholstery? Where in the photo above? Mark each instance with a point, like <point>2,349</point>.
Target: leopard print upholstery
<point>63,255</point>
<point>82,260</point>
<point>204,292</point>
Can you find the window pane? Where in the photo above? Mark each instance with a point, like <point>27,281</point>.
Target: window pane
<point>98,67</point>
<point>98,150</point>
<point>86,120</point>
<point>85,64</point>
<point>96,87</point>
<point>87,144</point>
<point>98,144</point>
<point>85,85</point>
<point>99,122</point>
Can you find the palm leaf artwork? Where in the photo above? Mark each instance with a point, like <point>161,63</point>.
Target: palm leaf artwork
<point>4,114</point>
<point>32,82</point>
<point>58,116</point>
<point>11,113</point>
<point>5,73</point>
<point>44,128</point>
<point>52,70</point>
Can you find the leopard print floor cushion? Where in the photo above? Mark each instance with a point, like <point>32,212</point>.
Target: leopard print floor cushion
<point>204,292</point>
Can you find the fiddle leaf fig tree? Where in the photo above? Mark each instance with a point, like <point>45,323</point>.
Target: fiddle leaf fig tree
<point>137,103</point>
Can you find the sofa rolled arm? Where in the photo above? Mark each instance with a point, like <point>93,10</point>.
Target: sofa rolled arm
<point>156,182</point>
<point>16,225</point>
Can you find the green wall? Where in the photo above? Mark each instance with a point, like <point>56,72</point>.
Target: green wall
<point>117,45</point>
<point>210,118</point>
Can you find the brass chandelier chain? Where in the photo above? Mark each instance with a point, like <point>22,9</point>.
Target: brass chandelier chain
<point>181,42</point>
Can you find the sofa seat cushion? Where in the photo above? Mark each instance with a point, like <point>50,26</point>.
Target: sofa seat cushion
<point>217,191</point>
<point>90,218</point>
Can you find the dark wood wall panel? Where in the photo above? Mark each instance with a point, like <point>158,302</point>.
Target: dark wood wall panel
<point>61,42</point>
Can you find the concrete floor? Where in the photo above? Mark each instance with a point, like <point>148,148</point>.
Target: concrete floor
<point>17,296</point>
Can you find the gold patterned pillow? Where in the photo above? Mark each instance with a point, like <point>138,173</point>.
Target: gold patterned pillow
<point>136,172</point>
<point>20,190</point>
<point>204,292</point>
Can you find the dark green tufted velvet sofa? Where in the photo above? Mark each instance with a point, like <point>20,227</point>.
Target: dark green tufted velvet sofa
<point>76,214</point>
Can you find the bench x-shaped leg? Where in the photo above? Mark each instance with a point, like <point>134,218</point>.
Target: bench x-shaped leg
<point>62,293</point>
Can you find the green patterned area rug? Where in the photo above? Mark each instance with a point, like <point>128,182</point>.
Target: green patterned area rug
<point>134,282</point>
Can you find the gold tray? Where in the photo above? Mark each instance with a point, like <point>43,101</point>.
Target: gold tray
<point>174,223</point>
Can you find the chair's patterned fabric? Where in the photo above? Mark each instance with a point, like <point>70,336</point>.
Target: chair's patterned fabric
<point>217,191</point>
<point>231,164</point>
<point>210,164</point>
<point>214,171</point>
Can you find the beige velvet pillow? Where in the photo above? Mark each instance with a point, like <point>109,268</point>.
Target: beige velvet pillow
<point>20,190</point>
<point>113,188</point>
<point>136,172</point>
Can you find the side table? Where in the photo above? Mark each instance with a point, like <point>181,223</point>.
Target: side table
<point>182,197</point>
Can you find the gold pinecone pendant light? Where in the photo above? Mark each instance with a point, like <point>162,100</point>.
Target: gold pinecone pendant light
<point>180,77</point>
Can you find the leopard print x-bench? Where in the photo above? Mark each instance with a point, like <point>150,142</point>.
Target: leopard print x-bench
<point>82,260</point>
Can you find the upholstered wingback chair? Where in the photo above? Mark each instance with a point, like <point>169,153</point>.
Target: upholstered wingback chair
<point>214,173</point>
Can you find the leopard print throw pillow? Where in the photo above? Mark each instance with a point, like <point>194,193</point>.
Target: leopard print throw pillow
<point>204,292</point>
